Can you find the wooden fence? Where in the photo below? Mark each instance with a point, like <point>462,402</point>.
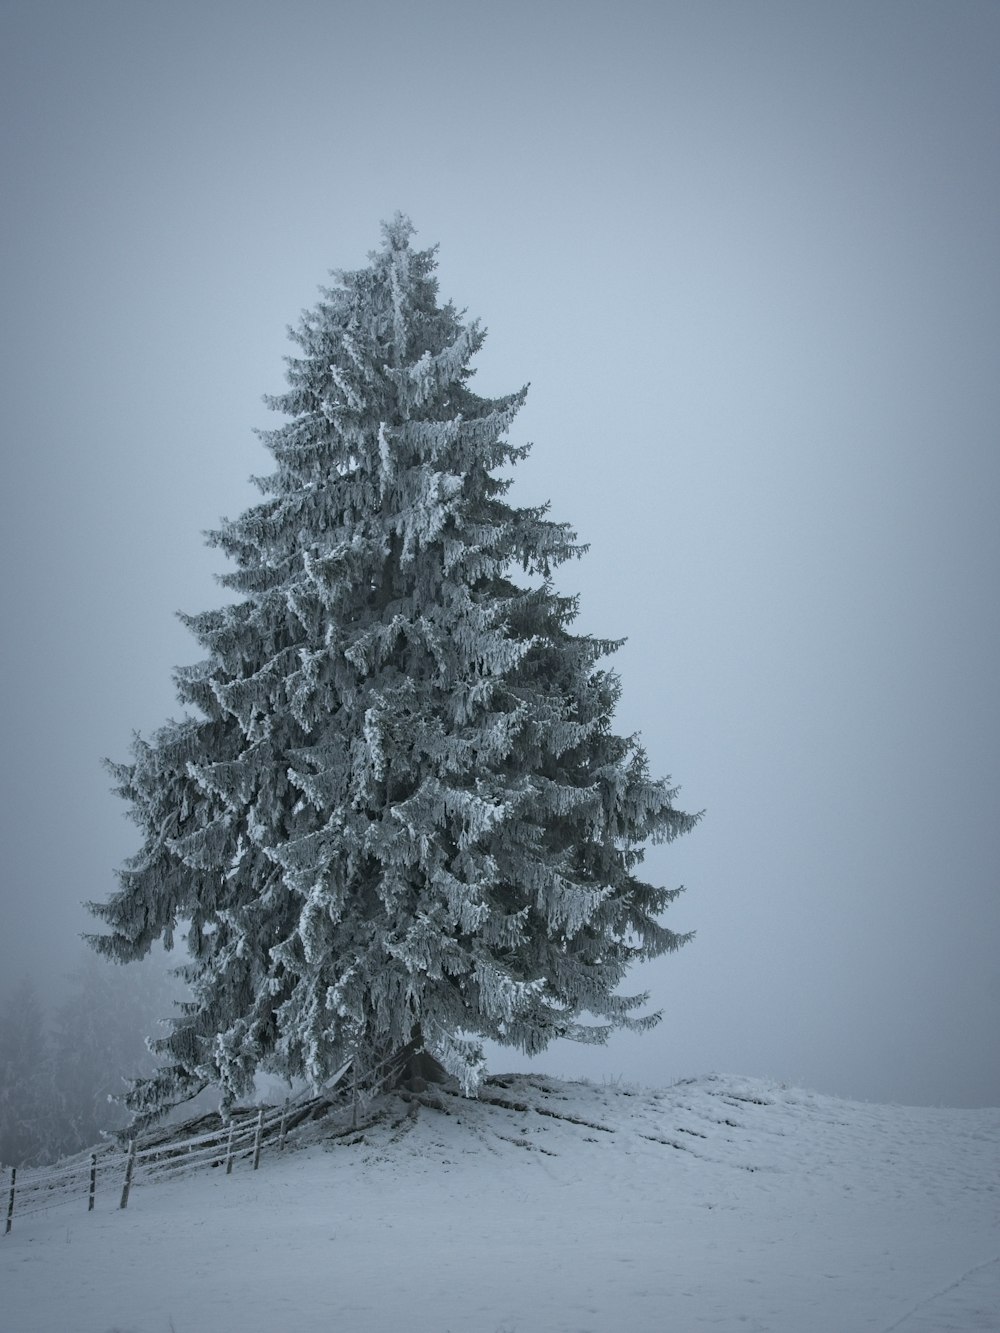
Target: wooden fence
<point>160,1154</point>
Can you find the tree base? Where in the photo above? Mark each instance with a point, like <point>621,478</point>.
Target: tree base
<point>414,1069</point>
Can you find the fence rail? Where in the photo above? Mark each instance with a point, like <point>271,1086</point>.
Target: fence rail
<point>158,1155</point>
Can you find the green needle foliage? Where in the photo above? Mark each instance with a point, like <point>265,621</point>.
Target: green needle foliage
<point>397,814</point>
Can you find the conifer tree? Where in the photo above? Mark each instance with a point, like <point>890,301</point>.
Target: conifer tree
<point>28,1114</point>
<point>98,1045</point>
<point>397,818</point>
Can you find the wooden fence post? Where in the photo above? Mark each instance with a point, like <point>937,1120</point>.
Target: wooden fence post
<point>93,1181</point>
<point>281,1131</point>
<point>128,1173</point>
<point>229,1149</point>
<point>256,1141</point>
<point>10,1202</point>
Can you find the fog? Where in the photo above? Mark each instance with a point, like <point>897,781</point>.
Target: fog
<point>747,256</point>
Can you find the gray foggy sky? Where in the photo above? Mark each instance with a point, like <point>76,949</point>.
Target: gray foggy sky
<point>747,254</point>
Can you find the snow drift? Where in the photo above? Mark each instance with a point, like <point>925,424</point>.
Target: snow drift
<point>548,1207</point>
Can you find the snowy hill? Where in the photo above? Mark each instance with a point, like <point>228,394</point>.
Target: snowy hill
<point>548,1207</point>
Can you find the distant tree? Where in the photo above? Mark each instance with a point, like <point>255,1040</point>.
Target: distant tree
<point>99,1046</point>
<point>399,819</point>
<point>28,1115</point>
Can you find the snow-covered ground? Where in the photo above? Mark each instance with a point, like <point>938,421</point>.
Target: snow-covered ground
<point>548,1207</point>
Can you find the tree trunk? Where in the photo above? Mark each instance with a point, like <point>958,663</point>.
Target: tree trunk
<point>412,1068</point>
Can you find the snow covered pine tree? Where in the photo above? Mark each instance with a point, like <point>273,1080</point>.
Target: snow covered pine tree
<point>401,822</point>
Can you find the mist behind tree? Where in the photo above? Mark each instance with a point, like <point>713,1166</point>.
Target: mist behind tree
<point>27,1101</point>
<point>66,1064</point>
